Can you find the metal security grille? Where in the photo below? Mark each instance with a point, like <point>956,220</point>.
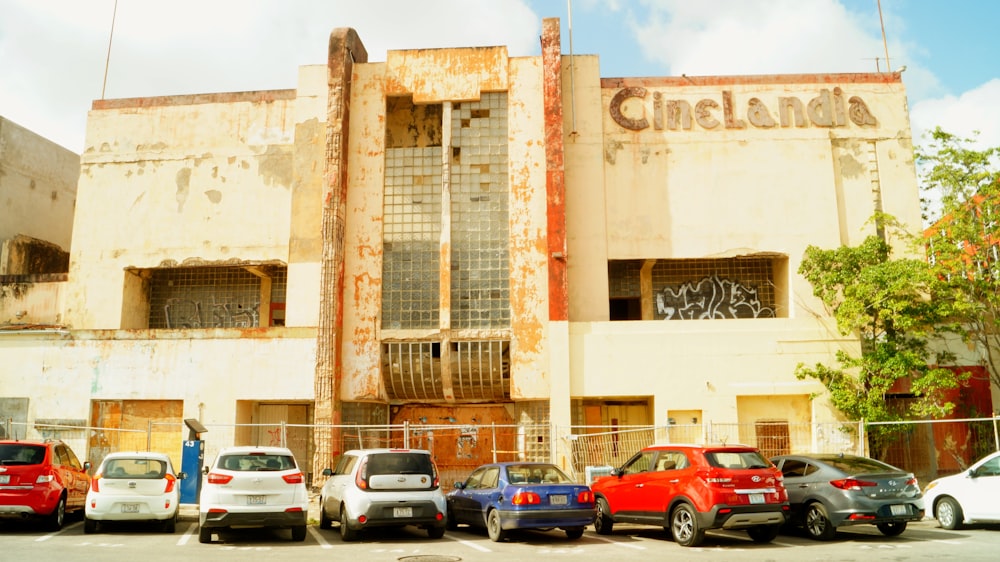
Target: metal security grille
<point>481,370</point>
<point>411,239</point>
<point>211,297</point>
<point>708,288</point>
<point>412,370</point>
<point>480,281</point>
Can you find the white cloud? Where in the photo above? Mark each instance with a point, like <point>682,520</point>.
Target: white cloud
<point>962,115</point>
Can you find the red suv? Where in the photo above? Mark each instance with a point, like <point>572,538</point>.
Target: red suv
<point>690,488</point>
<point>41,479</point>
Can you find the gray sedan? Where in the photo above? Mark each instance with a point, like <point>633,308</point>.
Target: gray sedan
<point>830,491</point>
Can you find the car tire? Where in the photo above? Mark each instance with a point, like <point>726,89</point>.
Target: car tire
<point>574,533</point>
<point>55,520</point>
<point>347,534</point>
<point>299,533</point>
<point>435,532</point>
<point>603,523</point>
<point>892,528</point>
<point>204,535</point>
<point>684,526</point>
<point>170,525</point>
<point>89,525</point>
<point>949,513</point>
<point>817,523</point>
<point>324,520</point>
<point>493,527</point>
<point>763,533</point>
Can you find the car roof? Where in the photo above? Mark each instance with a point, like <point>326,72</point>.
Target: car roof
<point>360,452</point>
<point>137,455</point>
<point>245,449</point>
<point>659,446</point>
<point>30,441</point>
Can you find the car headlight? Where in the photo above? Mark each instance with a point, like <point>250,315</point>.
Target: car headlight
<point>929,486</point>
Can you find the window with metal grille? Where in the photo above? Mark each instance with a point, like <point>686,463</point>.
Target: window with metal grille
<point>773,437</point>
<point>214,297</point>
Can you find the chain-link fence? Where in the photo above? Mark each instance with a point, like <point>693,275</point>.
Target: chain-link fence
<point>929,448</point>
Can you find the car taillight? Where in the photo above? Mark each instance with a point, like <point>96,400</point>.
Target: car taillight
<point>526,498</point>
<point>171,479</point>
<point>851,484</point>
<point>216,478</point>
<point>912,482</point>
<point>296,478</point>
<point>45,478</point>
<point>95,482</point>
<point>585,496</point>
<point>360,480</point>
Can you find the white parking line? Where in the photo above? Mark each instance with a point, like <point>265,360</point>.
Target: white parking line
<point>619,543</point>
<point>54,533</point>
<point>314,531</point>
<point>187,535</point>
<point>469,544</point>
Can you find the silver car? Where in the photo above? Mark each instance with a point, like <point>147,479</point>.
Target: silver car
<point>383,488</point>
<point>830,491</point>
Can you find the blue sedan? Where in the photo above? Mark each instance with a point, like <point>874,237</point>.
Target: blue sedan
<point>521,495</point>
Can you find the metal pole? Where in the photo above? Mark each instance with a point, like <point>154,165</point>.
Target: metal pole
<point>493,426</point>
<point>406,434</point>
<point>107,59</point>
<point>149,435</point>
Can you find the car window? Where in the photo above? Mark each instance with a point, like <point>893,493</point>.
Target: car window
<point>639,463</point>
<point>671,460</point>
<point>795,467</point>
<point>491,477</point>
<point>255,462</point>
<point>859,465</point>
<point>400,463</point>
<point>475,479</point>
<point>62,456</point>
<point>737,459</point>
<point>17,454</point>
<point>989,468</point>
<point>536,474</point>
<point>135,468</point>
<point>346,464</point>
<point>71,459</point>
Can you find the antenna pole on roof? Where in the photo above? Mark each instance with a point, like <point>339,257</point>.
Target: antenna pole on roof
<point>885,45</point>
<point>107,59</point>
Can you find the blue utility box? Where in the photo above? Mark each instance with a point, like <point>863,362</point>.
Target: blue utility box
<point>192,459</point>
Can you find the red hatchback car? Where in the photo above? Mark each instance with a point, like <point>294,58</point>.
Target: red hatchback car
<point>41,479</point>
<point>687,489</point>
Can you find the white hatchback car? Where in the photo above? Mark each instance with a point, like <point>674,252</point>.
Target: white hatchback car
<point>253,487</point>
<point>383,488</point>
<point>967,497</point>
<point>137,486</point>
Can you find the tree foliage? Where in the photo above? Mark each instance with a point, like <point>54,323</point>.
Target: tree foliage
<point>964,241</point>
<point>895,307</point>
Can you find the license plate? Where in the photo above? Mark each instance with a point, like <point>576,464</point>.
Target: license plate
<point>402,512</point>
<point>756,498</point>
<point>557,500</point>
<point>130,508</point>
<point>256,500</point>
<point>898,510</point>
<point>4,478</point>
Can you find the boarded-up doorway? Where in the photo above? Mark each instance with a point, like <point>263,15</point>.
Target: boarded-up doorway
<point>136,425</point>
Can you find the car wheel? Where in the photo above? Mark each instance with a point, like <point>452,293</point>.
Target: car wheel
<point>435,532</point>
<point>603,523</point>
<point>55,520</point>
<point>299,533</point>
<point>818,524</point>
<point>89,525</point>
<point>574,533</point>
<point>892,529</point>
<point>347,534</point>
<point>204,535</point>
<point>170,525</point>
<point>763,533</point>
<point>949,514</point>
<point>496,532</point>
<point>324,520</point>
<point>684,526</point>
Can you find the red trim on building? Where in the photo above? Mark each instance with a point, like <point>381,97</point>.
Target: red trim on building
<point>555,174</point>
<point>855,78</point>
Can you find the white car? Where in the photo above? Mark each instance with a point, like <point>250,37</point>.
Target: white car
<point>253,487</point>
<point>383,488</point>
<point>967,497</point>
<point>138,486</point>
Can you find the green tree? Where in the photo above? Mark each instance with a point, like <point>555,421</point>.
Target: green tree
<point>895,307</point>
<point>964,239</point>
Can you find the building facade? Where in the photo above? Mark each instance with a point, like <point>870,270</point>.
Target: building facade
<point>458,236</point>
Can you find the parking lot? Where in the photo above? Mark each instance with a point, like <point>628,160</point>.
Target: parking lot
<point>921,541</point>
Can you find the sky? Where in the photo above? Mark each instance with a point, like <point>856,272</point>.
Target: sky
<point>55,57</point>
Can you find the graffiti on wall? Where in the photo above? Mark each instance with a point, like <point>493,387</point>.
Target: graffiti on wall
<point>188,313</point>
<point>711,297</point>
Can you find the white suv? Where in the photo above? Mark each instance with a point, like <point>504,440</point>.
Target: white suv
<point>383,488</point>
<point>253,487</point>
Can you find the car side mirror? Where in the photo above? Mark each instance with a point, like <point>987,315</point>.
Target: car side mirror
<point>182,475</point>
<point>327,472</point>
<point>87,465</point>
<point>617,472</point>
<point>459,485</point>
<point>204,469</point>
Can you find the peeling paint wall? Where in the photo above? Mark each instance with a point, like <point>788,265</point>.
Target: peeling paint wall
<point>169,180</point>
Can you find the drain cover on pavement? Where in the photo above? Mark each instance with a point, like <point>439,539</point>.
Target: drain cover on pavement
<point>430,558</point>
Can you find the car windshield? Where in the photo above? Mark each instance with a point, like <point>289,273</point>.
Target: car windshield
<point>256,462</point>
<point>399,463</point>
<point>536,474</point>
<point>135,468</point>
<point>18,454</point>
<point>737,459</point>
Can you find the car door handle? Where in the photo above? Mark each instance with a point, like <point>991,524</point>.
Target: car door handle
<point>674,481</point>
<point>639,485</point>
